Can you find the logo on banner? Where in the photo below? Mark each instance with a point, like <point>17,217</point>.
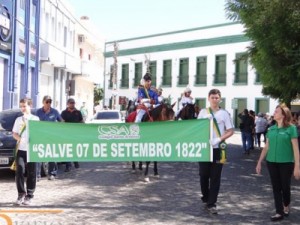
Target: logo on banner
<point>119,132</point>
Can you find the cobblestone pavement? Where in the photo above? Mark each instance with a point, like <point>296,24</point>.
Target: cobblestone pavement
<point>108,193</point>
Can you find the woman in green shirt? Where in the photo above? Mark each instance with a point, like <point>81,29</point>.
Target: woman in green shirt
<point>282,156</point>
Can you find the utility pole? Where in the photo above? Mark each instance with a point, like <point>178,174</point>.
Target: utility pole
<point>114,76</point>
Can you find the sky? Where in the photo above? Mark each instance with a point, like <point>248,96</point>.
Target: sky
<point>121,19</point>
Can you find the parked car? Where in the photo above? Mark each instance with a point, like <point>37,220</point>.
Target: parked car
<point>7,142</point>
<point>108,116</point>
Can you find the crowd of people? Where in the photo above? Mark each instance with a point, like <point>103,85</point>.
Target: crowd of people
<point>280,134</point>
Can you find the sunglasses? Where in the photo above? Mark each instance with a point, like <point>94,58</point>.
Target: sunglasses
<point>71,102</point>
<point>48,101</point>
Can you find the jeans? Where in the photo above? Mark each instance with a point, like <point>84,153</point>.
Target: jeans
<point>247,140</point>
<point>210,181</point>
<point>31,174</point>
<point>281,174</point>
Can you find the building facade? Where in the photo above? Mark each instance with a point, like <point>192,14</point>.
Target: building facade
<point>201,58</point>
<point>70,57</point>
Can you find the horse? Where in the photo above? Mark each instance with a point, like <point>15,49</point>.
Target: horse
<point>187,112</point>
<point>162,112</point>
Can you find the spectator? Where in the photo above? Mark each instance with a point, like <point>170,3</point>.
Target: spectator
<point>282,156</point>
<point>261,125</point>
<point>84,111</point>
<point>19,134</point>
<point>47,113</point>
<point>246,127</point>
<point>71,115</point>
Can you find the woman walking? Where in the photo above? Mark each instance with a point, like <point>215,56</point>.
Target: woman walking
<point>282,156</point>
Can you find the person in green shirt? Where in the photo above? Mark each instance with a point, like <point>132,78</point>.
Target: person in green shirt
<point>282,156</point>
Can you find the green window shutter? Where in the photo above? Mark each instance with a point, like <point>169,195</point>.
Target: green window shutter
<point>138,70</point>
<point>201,102</point>
<point>220,70</point>
<point>125,76</point>
<point>167,73</point>
<point>201,71</point>
<point>153,69</point>
<point>241,69</point>
<point>183,78</point>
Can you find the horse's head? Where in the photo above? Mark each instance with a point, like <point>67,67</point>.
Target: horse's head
<point>188,112</point>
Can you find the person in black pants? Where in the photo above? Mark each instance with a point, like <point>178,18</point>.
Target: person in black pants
<point>282,155</point>
<point>210,172</point>
<point>25,195</point>
<point>71,115</point>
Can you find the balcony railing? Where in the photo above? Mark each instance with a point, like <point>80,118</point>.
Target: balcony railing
<point>166,81</point>
<point>183,80</point>
<point>201,79</point>
<point>220,79</point>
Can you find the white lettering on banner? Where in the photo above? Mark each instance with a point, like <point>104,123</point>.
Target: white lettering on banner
<point>141,150</point>
<point>186,150</point>
<point>100,150</point>
<point>55,151</point>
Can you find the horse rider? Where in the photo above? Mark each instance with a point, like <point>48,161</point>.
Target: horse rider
<point>147,97</point>
<point>185,99</point>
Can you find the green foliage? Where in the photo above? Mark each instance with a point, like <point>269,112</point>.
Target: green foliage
<point>98,95</point>
<point>274,28</point>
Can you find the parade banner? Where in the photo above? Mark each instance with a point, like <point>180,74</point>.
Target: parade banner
<point>172,141</point>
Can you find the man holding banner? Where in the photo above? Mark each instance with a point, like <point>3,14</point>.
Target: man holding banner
<point>210,172</point>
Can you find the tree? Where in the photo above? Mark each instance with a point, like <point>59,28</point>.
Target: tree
<point>274,28</point>
<point>98,95</point>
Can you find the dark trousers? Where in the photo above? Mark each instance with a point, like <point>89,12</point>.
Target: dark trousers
<point>210,180</point>
<point>258,135</point>
<point>52,168</point>
<point>280,174</point>
<point>22,165</point>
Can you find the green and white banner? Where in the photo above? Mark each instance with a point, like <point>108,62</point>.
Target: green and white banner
<point>171,141</point>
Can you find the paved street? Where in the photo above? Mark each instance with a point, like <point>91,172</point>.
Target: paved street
<point>108,193</point>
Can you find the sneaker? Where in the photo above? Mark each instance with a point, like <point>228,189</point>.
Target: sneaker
<point>51,177</point>
<point>20,199</point>
<point>27,200</point>
<point>212,210</point>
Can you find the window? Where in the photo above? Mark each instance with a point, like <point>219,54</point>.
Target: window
<point>33,9</point>
<point>222,103</point>
<point>22,4</point>
<point>183,78</point>
<point>241,69</point>
<point>125,76</point>
<point>153,72</point>
<point>257,77</point>
<point>167,73</point>
<point>201,102</point>
<point>201,68</point>
<point>220,70</point>
<point>65,36</point>
<point>138,70</point>
<point>81,53</point>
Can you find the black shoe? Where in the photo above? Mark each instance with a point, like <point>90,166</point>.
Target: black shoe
<point>67,170</point>
<point>276,217</point>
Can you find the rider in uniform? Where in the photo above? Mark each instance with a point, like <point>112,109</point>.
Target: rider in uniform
<point>185,99</point>
<point>147,97</point>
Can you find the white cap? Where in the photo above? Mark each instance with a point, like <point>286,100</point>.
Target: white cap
<point>187,90</point>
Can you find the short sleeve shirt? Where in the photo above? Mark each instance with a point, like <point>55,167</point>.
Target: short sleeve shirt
<point>280,143</point>
<point>74,116</point>
<point>17,128</point>
<point>52,115</point>
<point>223,119</point>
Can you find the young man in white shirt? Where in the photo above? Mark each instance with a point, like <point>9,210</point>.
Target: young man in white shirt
<point>210,172</point>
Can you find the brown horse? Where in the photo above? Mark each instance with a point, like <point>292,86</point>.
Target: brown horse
<point>187,112</point>
<point>162,112</point>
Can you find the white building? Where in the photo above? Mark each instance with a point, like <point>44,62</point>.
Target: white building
<point>202,58</point>
<point>71,58</point>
